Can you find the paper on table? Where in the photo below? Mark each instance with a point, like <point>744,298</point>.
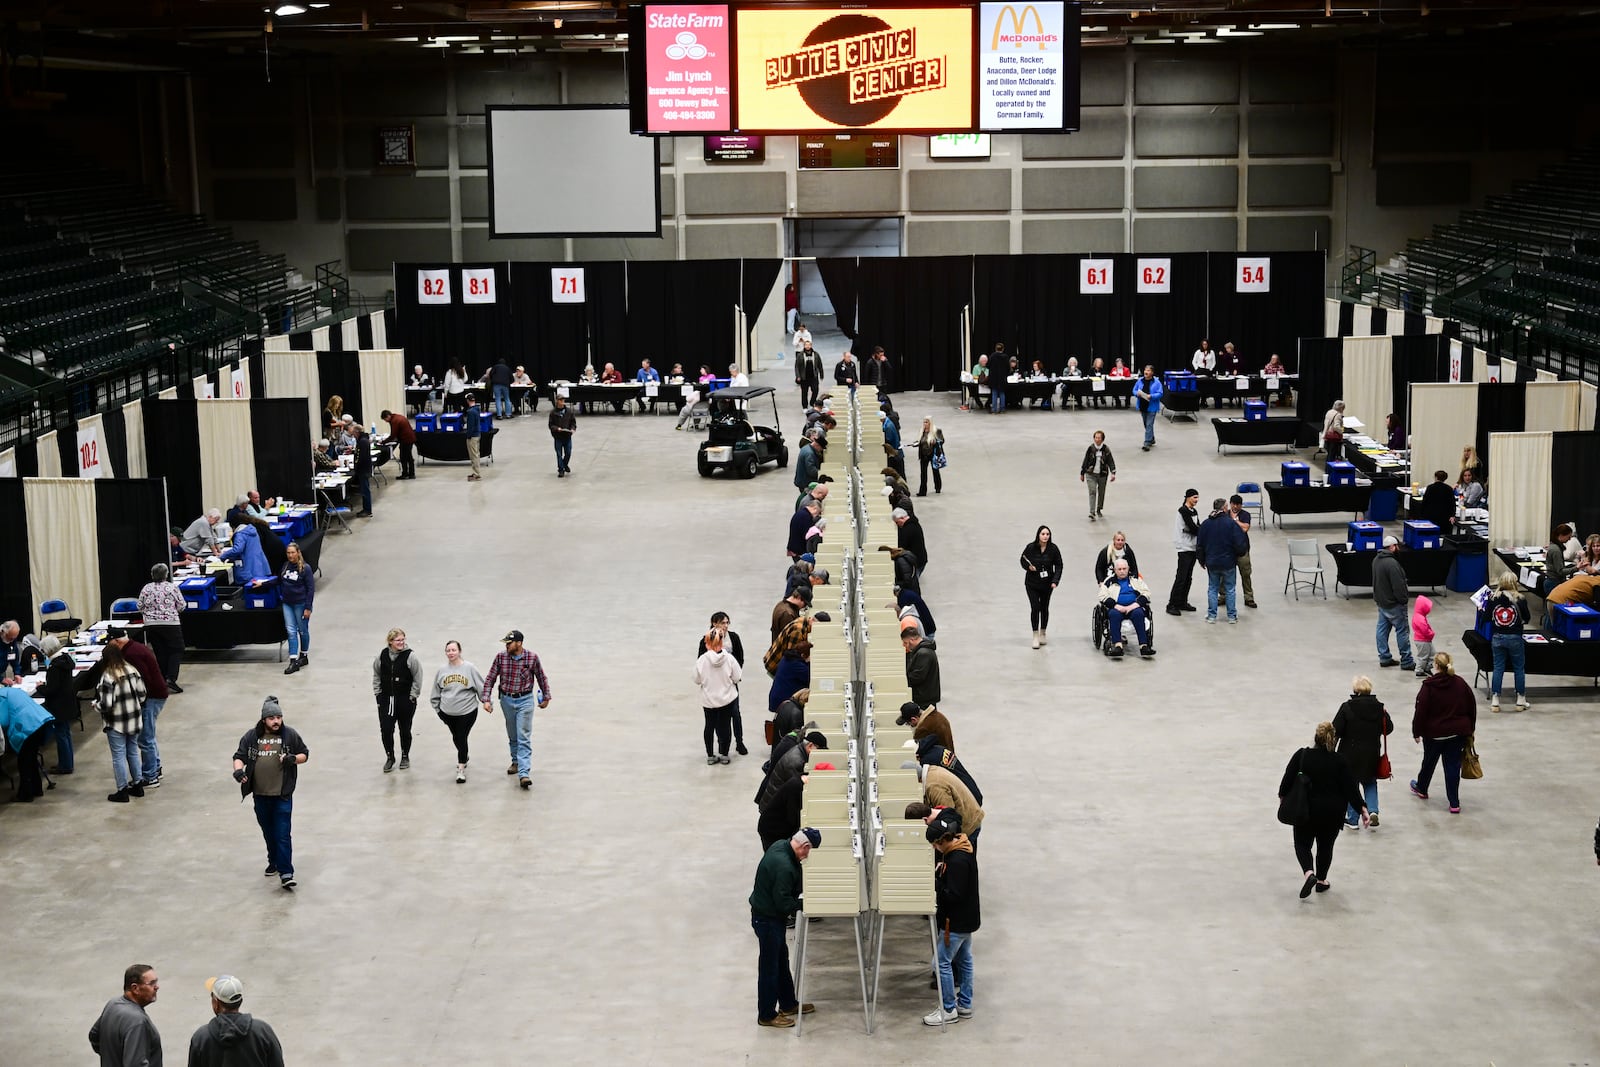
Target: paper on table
<point>1353,423</point>
<point>562,390</point>
<point>652,389</point>
<point>1098,386</point>
<point>1272,381</point>
<point>1241,383</point>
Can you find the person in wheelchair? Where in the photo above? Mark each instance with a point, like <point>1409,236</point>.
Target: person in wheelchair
<point>1124,596</point>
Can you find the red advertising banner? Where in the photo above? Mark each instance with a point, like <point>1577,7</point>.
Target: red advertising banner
<point>686,68</point>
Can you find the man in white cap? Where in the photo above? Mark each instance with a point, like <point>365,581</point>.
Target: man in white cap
<point>232,1038</point>
<point>266,764</point>
<point>1391,595</point>
<point>775,897</point>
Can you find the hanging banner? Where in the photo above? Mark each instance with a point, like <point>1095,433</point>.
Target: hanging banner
<point>90,463</point>
<point>566,285</point>
<point>433,286</point>
<point>1095,277</point>
<point>1455,361</point>
<point>1494,373</point>
<point>1155,275</point>
<point>477,285</point>
<point>1253,274</point>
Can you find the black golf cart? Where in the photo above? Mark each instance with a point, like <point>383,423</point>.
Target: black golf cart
<point>735,443</point>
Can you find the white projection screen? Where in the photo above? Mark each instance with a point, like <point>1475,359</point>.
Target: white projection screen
<point>571,172</point>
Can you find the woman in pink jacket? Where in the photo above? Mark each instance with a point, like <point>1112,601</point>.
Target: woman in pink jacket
<point>1422,636</point>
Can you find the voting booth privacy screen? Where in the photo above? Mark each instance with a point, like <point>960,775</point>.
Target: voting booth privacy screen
<point>570,172</point>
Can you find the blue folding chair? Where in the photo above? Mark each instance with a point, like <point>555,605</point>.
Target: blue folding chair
<point>1251,493</point>
<point>55,618</point>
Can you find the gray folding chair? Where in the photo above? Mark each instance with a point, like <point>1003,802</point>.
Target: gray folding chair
<point>1304,559</point>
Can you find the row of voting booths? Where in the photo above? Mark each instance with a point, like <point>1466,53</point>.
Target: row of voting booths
<point>873,864</point>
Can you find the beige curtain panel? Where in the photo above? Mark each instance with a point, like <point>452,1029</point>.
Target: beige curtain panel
<point>1444,417</point>
<point>170,393</point>
<point>62,558</point>
<point>227,452</point>
<point>133,425</point>
<point>1369,381</point>
<point>1519,495</point>
<point>8,463</point>
<point>1586,405</point>
<point>294,374</point>
<point>383,381</point>
<point>49,456</point>
<point>278,342</point>
<point>1553,406</point>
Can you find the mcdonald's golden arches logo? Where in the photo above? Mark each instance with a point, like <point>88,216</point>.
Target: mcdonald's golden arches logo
<point>1017,38</point>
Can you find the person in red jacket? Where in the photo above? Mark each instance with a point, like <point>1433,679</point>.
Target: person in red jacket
<point>1446,716</point>
<point>401,430</point>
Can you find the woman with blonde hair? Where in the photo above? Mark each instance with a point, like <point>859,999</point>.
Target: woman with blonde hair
<point>1361,725</point>
<point>1470,462</point>
<point>717,675</point>
<point>1330,789</point>
<point>1508,613</point>
<point>396,684</point>
<point>1446,715</point>
<point>930,446</point>
<point>333,414</point>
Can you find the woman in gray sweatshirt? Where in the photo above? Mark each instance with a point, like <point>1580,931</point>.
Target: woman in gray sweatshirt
<point>457,696</point>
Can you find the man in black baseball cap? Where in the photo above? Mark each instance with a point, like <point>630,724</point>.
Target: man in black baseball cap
<point>522,685</point>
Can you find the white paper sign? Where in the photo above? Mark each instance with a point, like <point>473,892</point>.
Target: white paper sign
<point>1253,274</point>
<point>1155,275</point>
<point>211,391</point>
<point>652,389</point>
<point>1098,385</point>
<point>433,286</point>
<point>477,285</point>
<point>1494,372</point>
<point>566,285</point>
<point>1272,383</point>
<point>1455,363</point>
<point>563,391</point>
<point>238,382</point>
<point>1241,383</point>
<point>91,464</point>
<point>8,463</point>
<point>1095,276</point>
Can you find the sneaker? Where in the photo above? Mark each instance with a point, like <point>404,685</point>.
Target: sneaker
<point>151,783</point>
<point>1372,821</point>
<point>1233,620</point>
<point>965,1013</point>
<point>738,746</point>
<point>940,1017</point>
<point>270,871</point>
<point>777,1020</point>
<point>305,661</point>
<point>1419,794</point>
<point>1388,663</point>
<point>1407,665</point>
<point>1494,703</point>
<point>526,783</point>
<point>388,765</point>
<point>711,761</point>
<point>461,774</point>
<point>805,1009</point>
<point>1522,703</point>
<point>119,797</point>
<point>1146,650</point>
<point>1456,810</point>
<point>1211,618</point>
<point>1115,652</point>
<point>724,759</point>
<point>174,687</point>
<point>1250,603</point>
<point>288,882</point>
<point>405,761</point>
<point>136,790</point>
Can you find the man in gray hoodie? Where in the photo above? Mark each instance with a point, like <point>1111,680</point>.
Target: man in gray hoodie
<point>124,1036</point>
<point>232,1038</point>
<point>1391,594</point>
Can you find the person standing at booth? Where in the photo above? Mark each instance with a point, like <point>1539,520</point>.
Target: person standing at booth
<point>297,587</point>
<point>774,898</point>
<point>361,470</point>
<point>400,429</point>
<point>500,382</point>
<point>472,427</point>
<point>563,424</point>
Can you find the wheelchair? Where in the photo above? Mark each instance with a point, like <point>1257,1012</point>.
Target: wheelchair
<point>1100,629</point>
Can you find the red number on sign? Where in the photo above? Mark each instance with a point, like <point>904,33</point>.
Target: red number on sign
<point>569,284</point>
<point>1155,275</point>
<point>1095,276</point>
<point>89,455</point>
<point>477,286</point>
<point>432,286</point>
<point>1254,275</point>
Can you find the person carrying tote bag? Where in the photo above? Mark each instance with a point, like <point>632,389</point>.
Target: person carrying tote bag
<point>1445,718</point>
<point>1329,787</point>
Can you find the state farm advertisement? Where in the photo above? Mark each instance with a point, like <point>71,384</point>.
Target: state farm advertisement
<point>686,69</point>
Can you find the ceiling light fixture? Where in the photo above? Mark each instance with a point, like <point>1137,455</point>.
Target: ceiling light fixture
<point>1274,25</point>
<point>284,10</point>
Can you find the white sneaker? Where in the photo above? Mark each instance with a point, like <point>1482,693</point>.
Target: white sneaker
<point>940,1017</point>
<point>1522,705</point>
<point>1036,639</point>
<point>1494,702</point>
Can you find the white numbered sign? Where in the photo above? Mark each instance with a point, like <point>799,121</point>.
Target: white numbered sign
<point>238,383</point>
<point>1253,275</point>
<point>477,285</point>
<point>1455,363</point>
<point>566,285</point>
<point>1155,276</point>
<point>433,286</point>
<point>1494,372</point>
<point>91,464</point>
<point>1095,276</point>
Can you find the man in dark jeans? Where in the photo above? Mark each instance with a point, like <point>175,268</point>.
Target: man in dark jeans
<point>361,472</point>
<point>403,434</point>
<point>1185,538</point>
<point>266,764</point>
<point>562,426</point>
<point>774,899</point>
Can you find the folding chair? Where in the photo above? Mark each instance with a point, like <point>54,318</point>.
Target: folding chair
<point>1251,492</point>
<point>54,618</point>
<point>338,513</point>
<point>124,608</point>
<point>1305,558</point>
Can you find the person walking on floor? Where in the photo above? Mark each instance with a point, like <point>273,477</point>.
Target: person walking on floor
<point>124,1036</point>
<point>456,696</point>
<point>1361,724</point>
<point>155,699</point>
<point>1332,789</point>
<point>266,765</point>
<point>160,604</point>
<point>233,1038</point>
<point>1185,538</point>
<point>1220,543</point>
<point>930,452</point>
<point>730,643</point>
<point>396,684</point>
<point>1446,716</point>
<point>1508,615</point>
<point>717,675</point>
<point>27,725</point>
<point>522,686</point>
<point>402,433</point>
<point>120,696</point>
<point>957,917</point>
<point>807,368</point>
<point>1098,466</point>
<point>297,588</point>
<point>472,427</point>
<point>563,424</point>
<point>1422,636</point>
<point>773,900</point>
<point>1392,596</point>
<point>1041,559</point>
<point>1147,399</point>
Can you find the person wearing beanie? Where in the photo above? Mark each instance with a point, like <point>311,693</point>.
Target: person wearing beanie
<point>774,899</point>
<point>160,603</point>
<point>233,1037</point>
<point>266,764</point>
<point>1186,539</point>
<point>957,917</point>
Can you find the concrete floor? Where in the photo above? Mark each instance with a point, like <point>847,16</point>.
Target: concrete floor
<point>1140,900</point>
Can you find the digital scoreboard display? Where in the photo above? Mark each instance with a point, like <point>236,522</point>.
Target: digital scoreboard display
<point>734,149</point>
<point>848,151</point>
<point>808,68</point>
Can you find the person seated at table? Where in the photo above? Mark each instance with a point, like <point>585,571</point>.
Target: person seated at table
<point>705,375</point>
<point>175,546</point>
<point>1097,369</point>
<point>675,375</point>
<point>588,376</point>
<point>1274,368</point>
<point>647,373</point>
<point>1556,569</point>
<point>256,506</point>
<point>737,377</point>
<point>1118,548</point>
<point>237,513</point>
<point>1438,504</point>
<point>520,376</point>
<point>1396,436</point>
<point>1470,462</point>
<point>320,459</point>
<point>419,379</point>
<point>21,654</point>
<point>1072,369</point>
<point>1589,560</point>
<point>1126,597</point>
<point>1119,369</point>
<point>252,558</point>
<point>1204,361</point>
<point>200,538</point>
<point>1473,493</point>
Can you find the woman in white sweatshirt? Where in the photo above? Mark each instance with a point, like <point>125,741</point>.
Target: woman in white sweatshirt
<point>457,696</point>
<point>717,674</point>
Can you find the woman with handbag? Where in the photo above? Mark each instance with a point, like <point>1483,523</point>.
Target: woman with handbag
<point>930,452</point>
<point>1446,716</point>
<point>1316,788</point>
<point>1333,431</point>
<point>1362,727</point>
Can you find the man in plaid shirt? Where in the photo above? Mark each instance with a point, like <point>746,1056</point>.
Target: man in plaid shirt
<point>522,684</point>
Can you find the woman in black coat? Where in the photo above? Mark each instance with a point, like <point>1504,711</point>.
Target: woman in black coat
<point>1041,559</point>
<point>1332,788</point>
<point>905,568</point>
<point>60,693</point>
<point>1361,725</point>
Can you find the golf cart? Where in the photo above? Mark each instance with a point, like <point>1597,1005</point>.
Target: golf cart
<point>734,443</point>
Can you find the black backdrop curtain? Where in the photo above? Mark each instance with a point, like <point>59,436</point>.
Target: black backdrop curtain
<point>1167,327</point>
<point>555,340</point>
<point>114,439</point>
<point>1347,319</point>
<point>839,278</point>
<point>1502,408</point>
<point>756,279</point>
<point>67,445</point>
<point>281,441</point>
<point>16,586</point>
<point>1017,301</point>
<point>1321,379</point>
<point>339,374</point>
<point>438,335</point>
<point>1574,457</point>
<point>132,533</point>
<point>28,459</point>
<point>681,306</point>
<point>1260,324</point>
<point>172,451</point>
<point>912,307</point>
<point>1416,358</point>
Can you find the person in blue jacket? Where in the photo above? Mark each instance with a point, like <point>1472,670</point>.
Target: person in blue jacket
<point>26,725</point>
<point>1147,398</point>
<point>1221,542</point>
<point>252,560</point>
<point>891,438</point>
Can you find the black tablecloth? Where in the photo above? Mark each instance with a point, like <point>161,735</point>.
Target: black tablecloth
<point>416,398</point>
<point>1241,433</point>
<point>1228,388</point>
<point>1176,402</point>
<point>594,393</point>
<point>1369,464</point>
<point>1017,392</point>
<point>1515,565</point>
<point>1574,659</point>
<point>445,446</point>
<point>1427,567</point>
<point>221,627</point>
<point>1316,499</point>
<point>1118,389</point>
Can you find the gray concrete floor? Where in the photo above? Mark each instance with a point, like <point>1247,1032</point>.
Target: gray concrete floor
<point>1140,900</point>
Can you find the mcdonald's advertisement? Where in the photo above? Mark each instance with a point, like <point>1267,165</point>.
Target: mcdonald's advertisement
<point>1023,65</point>
<point>889,68</point>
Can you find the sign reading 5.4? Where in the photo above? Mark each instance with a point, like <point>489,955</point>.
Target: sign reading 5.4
<point>1253,275</point>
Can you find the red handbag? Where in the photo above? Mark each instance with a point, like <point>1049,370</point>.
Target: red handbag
<point>1385,769</point>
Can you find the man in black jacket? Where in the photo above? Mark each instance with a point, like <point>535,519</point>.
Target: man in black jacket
<point>266,764</point>
<point>911,538</point>
<point>922,665</point>
<point>232,1038</point>
<point>955,883</point>
<point>1186,539</point>
<point>1098,466</point>
<point>1438,502</point>
<point>846,372</point>
<point>361,470</point>
<point>808,374</point>
<point>563,424</point>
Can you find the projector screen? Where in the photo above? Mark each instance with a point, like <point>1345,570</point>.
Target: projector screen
<point>571,172</point>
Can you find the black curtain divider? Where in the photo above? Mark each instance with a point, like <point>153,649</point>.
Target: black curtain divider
<point>438,335</point>
<point>1380,322</point>
<point>252,350</point>
<point>302,341</point>
<point>28,459</point>
<point>67,446</point>
<point>554,341</point>
<point>839,279</point>
<point>1574,457</point>
<point>1416,358</point>
<point>681,306</point>
<point>16,585</point>
<point>1321,379</point>
<point>1347,319</point>
<point>364,339</point>
<point>912,307</point>
<point>756,279</point>
<point>1416,323</point>
<point>1260,324</point>
<point>114,439</point>
<point>1017,302</point>
<point>1502,408</point>
<point>131,535</point>
<point>339,374</point>
<point>281,441</point>
<point>172,452</point>
<point>1167,327</point>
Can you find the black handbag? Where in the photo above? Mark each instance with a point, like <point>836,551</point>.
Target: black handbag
<point>1294,807</point>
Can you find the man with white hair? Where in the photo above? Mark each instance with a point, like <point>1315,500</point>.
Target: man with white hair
<point>200,538</point>
<point>1126,597</point>
<point>911,538</point>
<point>775,897</point>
